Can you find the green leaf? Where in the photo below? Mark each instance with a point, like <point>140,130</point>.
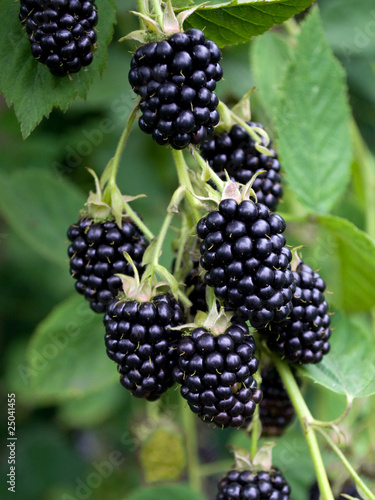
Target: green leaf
<point>92,409</point>
<point>312,121</point>
<point>354,268</point>
<point>66,355</point>
<point>349,367</point>
<point>229,23</point>
<point>29,85</point>
<point>39,206</point>
<point>270,55</point>
<point>175,491</point>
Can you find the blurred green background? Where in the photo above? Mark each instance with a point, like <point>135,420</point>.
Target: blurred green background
<point>87,445</point>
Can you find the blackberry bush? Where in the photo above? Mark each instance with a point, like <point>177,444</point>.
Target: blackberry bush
<point>304,336</point>
<point>61,32</point>
<point>247,263</point>
<point>253,485</point>
<point>216,374</point>
<point>97,255</point>
<point>140,340</point>
<point>234,152</point>
<point>176,79</point>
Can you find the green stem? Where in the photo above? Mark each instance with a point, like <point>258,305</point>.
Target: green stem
<point>141,9</point>
<point>191,438</point>
<point>160,240</point>
<point>183,177</point>
<point>213,175</point>
<point>306,420</point>
<point>139,222</point>
<point>158,12</point>
<point>338,420</point>
<point>121,145</point>
<point>255,434</point>
<point>347,465</point>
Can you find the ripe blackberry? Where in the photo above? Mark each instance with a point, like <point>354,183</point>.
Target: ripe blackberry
<point>61,32</point>
<point>96,255</point>
<point>139,339</point>
<point>176,79</point>
<point>253,485</point>
<point>304,336</point>
<point>235,153</point>
<point>216,374</point>
<point>275,410</point>
<point>247,262</point>
<point>195,290</point>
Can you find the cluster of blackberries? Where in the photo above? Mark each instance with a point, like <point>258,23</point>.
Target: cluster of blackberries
<point>234,152</point>
<point>276,409</point>
<point>61,32</point>
<point>303,337</point>
<point>216,374</point>
<point>140,340</point>
<point>253,485</point>
<point>176,79</point>
<point>97,254</point>
<point>244,253</point>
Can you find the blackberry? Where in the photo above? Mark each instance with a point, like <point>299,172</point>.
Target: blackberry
<point>61,32</point>
<point>275,410</point>
<point>244,253</point>
<point>304,336</point>
<point>253,485</point>
<point>235,153</point>
<point>216,374</point>
<point>96,255</point>
<point>176,79</point>
<point>139,339</point>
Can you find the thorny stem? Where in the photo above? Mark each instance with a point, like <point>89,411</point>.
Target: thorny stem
<point>183,177</point>
<point>305,419</point>
<point>347,465</point>
<point>213,175</point>
<point>158,12</point>
<point>191,438</point>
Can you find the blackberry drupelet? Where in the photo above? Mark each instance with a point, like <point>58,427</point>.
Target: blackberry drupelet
<point>234,152</point>
<point>275,410</point>
<point>139,339</point>
<point>61,32</point>
<point>216,374</point>
<point>244,253</point>
<point>304,336</point>
<point>253,485</point>
<point>176,79</point>
<point>96,255</point>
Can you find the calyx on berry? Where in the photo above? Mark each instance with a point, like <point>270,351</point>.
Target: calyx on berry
<point>155,31</point>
